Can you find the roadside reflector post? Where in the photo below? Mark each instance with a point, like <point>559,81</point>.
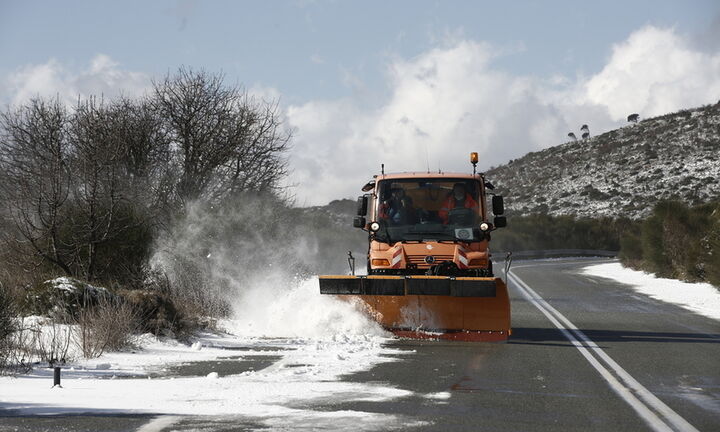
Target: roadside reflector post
<point>56,377</point>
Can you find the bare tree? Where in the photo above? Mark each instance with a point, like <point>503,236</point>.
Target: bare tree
<point>142,138</point>
<point>37,177</point>
<point>97,191</point>
<point>586,131</point>
<point>121,164</point>
<point>226,142</point>
<point>86,189</point>
<point>633,118</point>
<point>75,181</point>
<point>145,166</point>
<point>257,164</point>
<point>572,136</point>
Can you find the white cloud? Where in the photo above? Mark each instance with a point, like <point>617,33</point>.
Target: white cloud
<point>102,76</point>
<point>264,93</point>
<point>443,105</point>
<point>653,72</point>
<point>452,100</point>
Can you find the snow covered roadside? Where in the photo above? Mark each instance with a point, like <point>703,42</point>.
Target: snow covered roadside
<point>701,298</point>
<point>308,371</point>
<point>292,375</point>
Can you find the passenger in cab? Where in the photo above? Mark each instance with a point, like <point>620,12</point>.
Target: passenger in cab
<point>398,210</point>
<point>459,198</point>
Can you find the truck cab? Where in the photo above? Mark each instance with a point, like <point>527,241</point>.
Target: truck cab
<point>428,262</point>
<point>429,224</point>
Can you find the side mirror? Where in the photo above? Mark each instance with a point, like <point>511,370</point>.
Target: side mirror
<point>368,186</point>
<point>498,205</point>
<point>500,222</point>
<point>362,204</point>
<point>359,222</point>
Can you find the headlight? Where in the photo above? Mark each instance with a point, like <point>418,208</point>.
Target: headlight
<point>484,226</point>
<point>374,226</point>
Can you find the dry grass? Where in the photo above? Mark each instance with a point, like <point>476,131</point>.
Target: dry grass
<point>111,325</point>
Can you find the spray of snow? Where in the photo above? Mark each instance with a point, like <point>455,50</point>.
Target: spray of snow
<point>257,256</point>
<point>271,309</point>
<point>701,298</point>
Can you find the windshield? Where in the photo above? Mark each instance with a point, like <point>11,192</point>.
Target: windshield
<point>428,209</point>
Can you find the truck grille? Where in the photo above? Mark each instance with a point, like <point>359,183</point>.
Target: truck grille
<point>419,260</point>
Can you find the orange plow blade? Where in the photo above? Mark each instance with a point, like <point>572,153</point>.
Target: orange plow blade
<point>430,307</point>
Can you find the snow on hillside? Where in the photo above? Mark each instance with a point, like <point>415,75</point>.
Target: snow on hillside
<point>623,172</point>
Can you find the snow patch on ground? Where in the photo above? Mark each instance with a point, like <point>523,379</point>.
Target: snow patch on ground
<point>439,395</point>
<point>701,298</point>
<point>308,374</point>
<point>304,345</point>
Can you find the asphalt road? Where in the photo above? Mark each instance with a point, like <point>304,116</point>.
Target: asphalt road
<point>635,363</point>
<point>585,354</point>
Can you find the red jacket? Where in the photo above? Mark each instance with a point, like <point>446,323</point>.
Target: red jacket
<point>449,204</point>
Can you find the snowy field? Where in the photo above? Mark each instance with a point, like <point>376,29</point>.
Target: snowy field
<point>278,361</point>
<point>701,298</point>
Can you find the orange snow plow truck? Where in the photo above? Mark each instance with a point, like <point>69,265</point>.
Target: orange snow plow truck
<point>429,273</point>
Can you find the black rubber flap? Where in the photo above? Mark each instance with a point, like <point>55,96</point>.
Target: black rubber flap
<point>382,286</point>
<point>473,288</point>
<point>428,286</point>
<point>340,285</point>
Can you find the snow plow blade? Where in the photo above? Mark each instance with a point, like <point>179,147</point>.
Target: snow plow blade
<point>430,307</point>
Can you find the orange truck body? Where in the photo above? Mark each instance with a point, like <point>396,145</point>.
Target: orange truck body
<point>429,268</point>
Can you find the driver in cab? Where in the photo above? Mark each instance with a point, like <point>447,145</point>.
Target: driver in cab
<point>459,198</point>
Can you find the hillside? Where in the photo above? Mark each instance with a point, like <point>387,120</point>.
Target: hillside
<point>623,172</point>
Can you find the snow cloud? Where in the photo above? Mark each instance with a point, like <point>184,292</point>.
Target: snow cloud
<point>102,76</point>
<point>454,99</point>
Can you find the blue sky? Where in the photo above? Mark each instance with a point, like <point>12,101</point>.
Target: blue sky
<point>559,61</point>
<point>305,49</point>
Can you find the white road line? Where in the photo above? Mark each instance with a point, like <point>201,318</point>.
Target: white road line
<point>640,399</point>
<point>159,423</point>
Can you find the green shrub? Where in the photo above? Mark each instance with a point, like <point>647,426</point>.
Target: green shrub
<point>712,265</point>
<point>7,326</point>
<point>653,246</point>
<point>542,231</point>
<point>678,241</point>
<point>631,250</point>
